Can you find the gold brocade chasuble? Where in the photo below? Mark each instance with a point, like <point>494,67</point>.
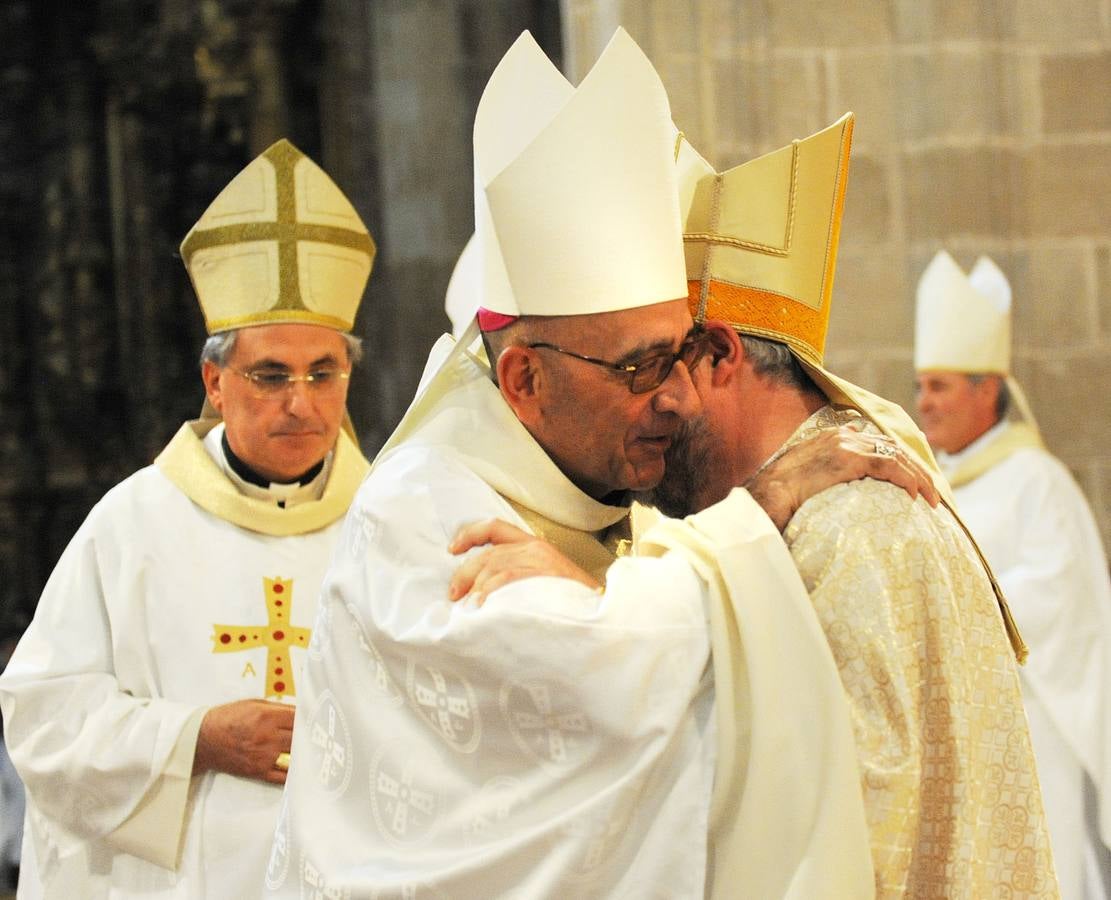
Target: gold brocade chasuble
<point>947,769</point>
<point>594,553</point>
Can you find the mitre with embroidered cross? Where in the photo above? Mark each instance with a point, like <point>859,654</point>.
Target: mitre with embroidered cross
<point>281,243</point>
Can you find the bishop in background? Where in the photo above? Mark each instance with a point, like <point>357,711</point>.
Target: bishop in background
<point>1039,535</point>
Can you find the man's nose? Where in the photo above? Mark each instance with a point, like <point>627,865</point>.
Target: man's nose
<point>298,398</point>
<point>677,394</point>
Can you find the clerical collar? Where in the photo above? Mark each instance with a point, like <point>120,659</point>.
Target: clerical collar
<point>249,475</point>
<point>618,498</point>
<point>950,461</point>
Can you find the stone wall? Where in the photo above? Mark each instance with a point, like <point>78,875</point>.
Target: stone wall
<point>981,128</point>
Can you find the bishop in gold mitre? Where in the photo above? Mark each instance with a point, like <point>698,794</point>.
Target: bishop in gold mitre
<point>922,637</point>
<point>149,706</point>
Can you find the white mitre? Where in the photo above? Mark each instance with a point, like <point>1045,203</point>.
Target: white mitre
<point>576,206</point>
<point>963,322</point>
<point>461,299</point>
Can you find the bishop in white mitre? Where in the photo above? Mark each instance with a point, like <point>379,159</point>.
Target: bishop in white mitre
<point>193,584</point>
<point>1038,533</point>
<point>559,741</point>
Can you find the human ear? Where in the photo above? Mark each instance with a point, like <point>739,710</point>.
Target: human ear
<point>726,352</point>
<point>210,375</point>
<point>520,381</point>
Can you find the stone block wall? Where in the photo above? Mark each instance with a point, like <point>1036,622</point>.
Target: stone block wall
<point>981,128</point>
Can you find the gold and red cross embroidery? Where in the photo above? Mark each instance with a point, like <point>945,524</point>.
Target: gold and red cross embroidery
<point>277,635</point>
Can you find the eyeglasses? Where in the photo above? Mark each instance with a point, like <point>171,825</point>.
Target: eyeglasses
<point>268,384</point>
<point>651,371</point>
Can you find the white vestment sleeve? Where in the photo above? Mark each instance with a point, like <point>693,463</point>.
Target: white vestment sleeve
<point>90,753</point>
<point>788,814</point>
<point>153,831</point>
<point>554,742</point>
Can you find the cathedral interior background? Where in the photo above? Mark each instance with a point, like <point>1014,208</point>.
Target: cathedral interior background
<point>982,128</point>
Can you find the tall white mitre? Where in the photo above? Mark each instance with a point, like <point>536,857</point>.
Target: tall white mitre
<point>576,204</point>
<point>461,298</point>
<point>963,322</point>
<point>576,210</point>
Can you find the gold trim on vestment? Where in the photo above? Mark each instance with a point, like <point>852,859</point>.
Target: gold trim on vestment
<point>188,465</point>
<point>593,552</point>
<point>1017,436</point>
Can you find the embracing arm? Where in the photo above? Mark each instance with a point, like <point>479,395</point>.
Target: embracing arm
<point>829,458</point>
<point>835,456</point>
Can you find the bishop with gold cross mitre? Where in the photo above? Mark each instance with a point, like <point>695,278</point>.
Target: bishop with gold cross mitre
<point>149,706</point>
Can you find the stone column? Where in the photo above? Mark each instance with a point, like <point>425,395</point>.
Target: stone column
<point>401,82</point>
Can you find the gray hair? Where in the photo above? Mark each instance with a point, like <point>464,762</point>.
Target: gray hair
<point>219,347</point>
<point>1002,399</point>
<point>774,360</point>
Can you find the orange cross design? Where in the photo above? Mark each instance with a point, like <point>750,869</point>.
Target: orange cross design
<point>277,635</point>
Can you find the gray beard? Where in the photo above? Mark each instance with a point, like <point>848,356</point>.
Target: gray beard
<point>686,465</point>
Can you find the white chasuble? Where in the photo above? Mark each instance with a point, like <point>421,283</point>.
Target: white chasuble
<point>946,766</point>
<point>554,742</point>
<point>1039,535</point>
<point>158,610</point>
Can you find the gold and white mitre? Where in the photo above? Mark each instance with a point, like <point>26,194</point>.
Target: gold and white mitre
<point>281,243</point>
<point>963,322</point>
<point>761,249</point>
<point>576,208</point>
<point>761,238</point>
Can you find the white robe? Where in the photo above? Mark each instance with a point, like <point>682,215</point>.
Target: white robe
<point>1039,536</point>
<point>105,693</point>
<point>555,742</point>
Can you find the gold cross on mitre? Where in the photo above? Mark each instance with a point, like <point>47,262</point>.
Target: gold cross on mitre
<point>280,243</point>
<point>277,635</point>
